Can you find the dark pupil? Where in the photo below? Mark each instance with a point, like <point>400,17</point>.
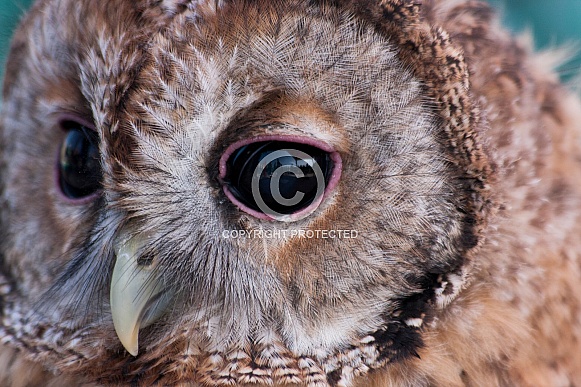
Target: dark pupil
<point>79,162</point>
<point>243,164</point>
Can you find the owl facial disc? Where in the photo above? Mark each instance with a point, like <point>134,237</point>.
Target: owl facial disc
<point>137,296</point>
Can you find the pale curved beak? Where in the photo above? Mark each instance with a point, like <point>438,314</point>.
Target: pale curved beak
<point>137,295</point>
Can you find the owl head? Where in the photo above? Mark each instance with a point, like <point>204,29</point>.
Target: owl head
<point>234,191</point>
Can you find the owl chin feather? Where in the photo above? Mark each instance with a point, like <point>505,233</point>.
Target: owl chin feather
<point>429,232</point>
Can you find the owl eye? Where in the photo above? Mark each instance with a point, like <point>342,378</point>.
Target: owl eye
<point>79,162</point>
<point>278,178</point>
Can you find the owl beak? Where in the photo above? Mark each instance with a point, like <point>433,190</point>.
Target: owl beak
<point>137,296</point>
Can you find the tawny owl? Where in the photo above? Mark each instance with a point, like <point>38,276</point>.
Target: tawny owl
<point>299,192</point>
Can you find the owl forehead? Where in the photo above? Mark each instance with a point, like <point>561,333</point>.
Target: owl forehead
<point>198,75</point>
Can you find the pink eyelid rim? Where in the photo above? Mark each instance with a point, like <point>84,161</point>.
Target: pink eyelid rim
<point>66,117</point>
<point>62,118</point>
<point>333,181</point>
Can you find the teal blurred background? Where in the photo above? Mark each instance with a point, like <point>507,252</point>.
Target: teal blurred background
<point>11,12</point>
<point>552,23</point>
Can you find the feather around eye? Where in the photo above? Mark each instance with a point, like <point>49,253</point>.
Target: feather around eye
<point>440,247</point>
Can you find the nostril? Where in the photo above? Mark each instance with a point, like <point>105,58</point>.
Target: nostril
<point>279,177</point>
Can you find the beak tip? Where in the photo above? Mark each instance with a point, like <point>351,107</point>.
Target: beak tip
<point>129,339</point>
<point>133,351</point>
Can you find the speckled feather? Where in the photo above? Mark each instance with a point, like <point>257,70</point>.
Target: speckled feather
<point>460,173</point>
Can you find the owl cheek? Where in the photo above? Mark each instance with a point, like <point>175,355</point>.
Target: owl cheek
<point>137,296</point>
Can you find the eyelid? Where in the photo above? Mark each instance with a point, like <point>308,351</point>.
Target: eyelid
<point>64,118</point>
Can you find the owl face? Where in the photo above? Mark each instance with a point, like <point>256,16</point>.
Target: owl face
<point>245,191</point>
